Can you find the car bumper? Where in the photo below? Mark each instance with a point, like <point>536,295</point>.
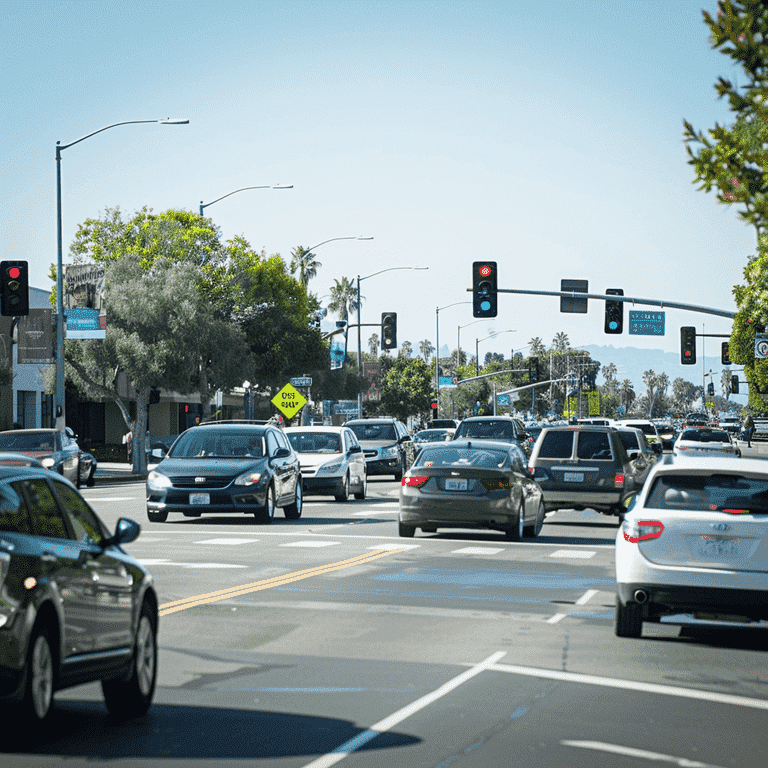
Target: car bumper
<point>323,486</point>
<point>491,511</point>
<point>243,499</point>
<point>383,466</point>
<point>602,501</point>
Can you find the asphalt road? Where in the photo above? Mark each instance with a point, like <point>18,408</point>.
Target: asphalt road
<point>331,640</point>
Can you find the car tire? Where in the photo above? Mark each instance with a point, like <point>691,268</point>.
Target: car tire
<point>344,494</point>
<point>40,675</point>
<point>629,619</point>
<point>157,517</point>
<point>266,514</point>
<point>91,481</point>
<point>364,490</point>
<point>405,531</point>
<point>293,511</point>
<point>132,696</point>
<point>532,531</point>
<point>515,532</point>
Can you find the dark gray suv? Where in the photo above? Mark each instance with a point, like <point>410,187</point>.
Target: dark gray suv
<point>583,468</point>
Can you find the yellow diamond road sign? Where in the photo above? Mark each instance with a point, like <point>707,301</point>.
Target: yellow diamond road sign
<point>289,401</point>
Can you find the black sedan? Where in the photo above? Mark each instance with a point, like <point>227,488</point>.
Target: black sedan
<point>471,484</point>
<point>74,606</point>
<point>227,468</point>
<point>56,450</point>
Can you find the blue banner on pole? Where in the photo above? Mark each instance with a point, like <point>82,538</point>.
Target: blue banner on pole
<point>643,323</point>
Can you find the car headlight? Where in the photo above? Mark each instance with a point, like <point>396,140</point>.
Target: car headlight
<point>249,478</point>
<point>48,462</point>
<point>390,452</point>
<point>157,481</point>
<point>332,468</point>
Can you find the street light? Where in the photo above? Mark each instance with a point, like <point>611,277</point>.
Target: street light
<point>242,189</point>
<point>437,350</point>
<point>477,343</point>
<point>60,399</point>
<point>360,329</point>
<point>458,338</point>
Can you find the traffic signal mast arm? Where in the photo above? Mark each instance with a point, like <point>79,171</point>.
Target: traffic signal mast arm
<point>632,299</point>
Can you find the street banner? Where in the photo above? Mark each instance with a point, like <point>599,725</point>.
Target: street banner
<point>36,344</point>
<point>84,305</point>
<point>338,350</point>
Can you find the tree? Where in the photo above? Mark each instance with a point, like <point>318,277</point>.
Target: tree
<point>373,343</point>
<point>305,263</point>
<point>561,343</point>
<point>426,349</point>
<point>406,388</point>
<point>537,347</point>
<point>405,349</point>
<point>733,160</point>
<point>344,298</point>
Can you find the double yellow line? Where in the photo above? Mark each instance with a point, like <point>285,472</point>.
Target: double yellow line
<point>276,581</point>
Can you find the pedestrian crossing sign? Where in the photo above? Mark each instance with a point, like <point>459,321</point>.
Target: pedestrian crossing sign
<point>289,401</point>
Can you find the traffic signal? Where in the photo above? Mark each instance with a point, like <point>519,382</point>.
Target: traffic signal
<point>735,384</point>
<point>614,312</point>
<point>388,330</point>
<point>484,289</point>
<point>725,357</point>
<point>433,406</point>
<point>14,288</point>
<point>687,345</point>
<point>711,389</point>
<point>533,369</point>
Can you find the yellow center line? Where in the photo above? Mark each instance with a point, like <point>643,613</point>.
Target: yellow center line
<point>275,581</point>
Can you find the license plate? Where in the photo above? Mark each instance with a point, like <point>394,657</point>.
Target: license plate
<point>456,485</point>
<point>199,498</point>
<point>715,546</point>
<point>573,477</point>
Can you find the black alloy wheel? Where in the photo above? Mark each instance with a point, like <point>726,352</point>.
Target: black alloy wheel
<point>293,511</point>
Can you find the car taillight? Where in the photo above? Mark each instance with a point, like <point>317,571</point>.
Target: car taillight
<point>414,481</point>
<point>618,480</point>
<point>641,530</point>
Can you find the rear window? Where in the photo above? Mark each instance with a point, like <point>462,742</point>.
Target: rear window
<point>729,493</point>
<point>374,431</point>
<point>487,430</point>
<point>594,446</point>
<point>315,442</point>
<point>706,436</point>
<point>557,444</point>
<point>461,457</point>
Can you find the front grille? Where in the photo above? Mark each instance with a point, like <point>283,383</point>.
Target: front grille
<point>188,481</point>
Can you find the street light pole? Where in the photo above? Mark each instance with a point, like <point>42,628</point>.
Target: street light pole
<point>477,343</point>
<point>437,350</point>
<point>60,409</point>
<point>242,189</point>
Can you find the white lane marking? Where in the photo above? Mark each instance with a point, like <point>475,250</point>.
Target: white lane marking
<point>310,544</point>
<point>644,753</point>
<point>556,618</point>
<point>586,597</point>
<point>632,685</point>
<point>477,551</point>
<point>160,561</point>
<point>226,541</point>
<point>394,719</point>
<point>395,546</point>
<point>572,553</point>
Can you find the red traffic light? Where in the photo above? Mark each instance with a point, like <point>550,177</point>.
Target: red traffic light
<point>14,272</point>
<point>485,271</point>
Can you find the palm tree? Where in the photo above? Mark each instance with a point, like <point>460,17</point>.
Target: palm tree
<point>343,298</point>
<point>405,349</point>
<point>305,262</point>
<point>536,347</point>
<point>373,343</point>
<point>561,342</point>
<point>426,349</point>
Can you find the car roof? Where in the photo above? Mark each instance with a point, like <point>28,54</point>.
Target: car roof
<point>471,442</point>
<point>712,464</point>
<point>8,472</point>
<point>239,426</point>
<point>490,417</point>
<point>337,430</point>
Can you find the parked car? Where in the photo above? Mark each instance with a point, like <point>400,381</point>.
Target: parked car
<point>471,484</point>
<point>75,607</point>
<point>331,460</point>
<point>639,452</point>
<point>502,428</point>
<point>695,541</point>
<point>705,441</point>
<point>387,446</point>
<point>583,468</point>
<point>227,468</point>
<point>57,450</point>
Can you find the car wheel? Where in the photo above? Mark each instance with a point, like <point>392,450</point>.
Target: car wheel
<point>629,619</point>
<point>406,531</point>
<point>266,514</point>
<point>515,532</point>
<point>344,494</point>
<point>293,511</point>
<point>364,490</point>
<point>532,531</point>
<point>40,673</point>
<point>157,517</point>
<point>91,481</point>
<point>132,696</point>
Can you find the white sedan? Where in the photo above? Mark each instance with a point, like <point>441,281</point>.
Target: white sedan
<point>695,541</point>
<point>704,441</point>
<point>331,459</point>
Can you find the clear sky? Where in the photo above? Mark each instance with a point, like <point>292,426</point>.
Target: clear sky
<point>545,135</point>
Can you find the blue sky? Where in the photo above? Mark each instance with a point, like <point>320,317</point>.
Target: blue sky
<point>545,135</point>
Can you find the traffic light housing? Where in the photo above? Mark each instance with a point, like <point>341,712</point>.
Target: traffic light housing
<point>433,406</point>
<point>711,389</point>
<point>735,384</point>
<point>484,288</point>
<point>725,357</point>
<point>687,345</point>
<point>533,369</point>
<point>388,330</point>
<point>614,312</point>
<point>14,288</point>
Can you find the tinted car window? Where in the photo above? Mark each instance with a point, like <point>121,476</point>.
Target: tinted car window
<point>593,445</point>
<point>705,436</point>
<point>374,431</point>
<point>46,516</point>
<point>628,440</point>
<point>83,520</point>
<point>465,457</point>
<point>27,441</point>
<point>208,441</point>
<point>487,430</point>
<point>14,517</point>
<point>557,445</point>
<point>697,492</point>
<point>315,442</point>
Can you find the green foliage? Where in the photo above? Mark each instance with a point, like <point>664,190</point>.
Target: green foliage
<point>406,387</point>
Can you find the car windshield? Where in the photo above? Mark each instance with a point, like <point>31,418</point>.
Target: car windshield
<point>705,436</point>
<point>487,430</point>
<point>27,441</point>
<point>374,431</point>
<point>725,492</point>
<point>210,442</point>
<point>315,442</point>
<point>647,429</point>
<point>461,457</point>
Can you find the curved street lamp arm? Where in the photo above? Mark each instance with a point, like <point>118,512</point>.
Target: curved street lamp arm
<point>60,146</point>
<point>309,250</point>
<point>390,270</point>
<point>242,189</point>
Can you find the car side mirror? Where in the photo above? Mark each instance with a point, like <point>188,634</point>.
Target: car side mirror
<point>281,453</point>
<point>127,530</point>
<point>157,453</point>
<point>356,449</point>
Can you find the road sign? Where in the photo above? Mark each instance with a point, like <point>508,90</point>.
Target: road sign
<point>302,381</point>
<point>345,407</point>
<point>570,303</point>
<point>503,400</point>
<point>646,323</point>
<point>289,401</point>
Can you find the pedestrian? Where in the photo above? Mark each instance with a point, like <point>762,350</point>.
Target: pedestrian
<point>749,429</point>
